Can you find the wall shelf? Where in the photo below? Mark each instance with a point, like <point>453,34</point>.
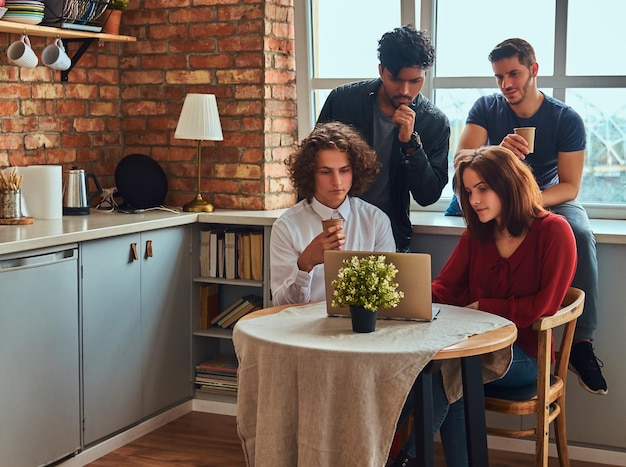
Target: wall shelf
<point>86,38</point>
<point>47,31</point>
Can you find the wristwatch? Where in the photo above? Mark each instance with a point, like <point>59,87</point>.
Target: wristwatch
<point>414,143</point>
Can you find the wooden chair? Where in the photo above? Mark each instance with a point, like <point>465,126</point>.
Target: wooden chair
<point>546,399</point>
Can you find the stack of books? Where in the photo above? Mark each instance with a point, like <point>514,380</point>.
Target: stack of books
<point>217,375</point>
<point>241,307</point>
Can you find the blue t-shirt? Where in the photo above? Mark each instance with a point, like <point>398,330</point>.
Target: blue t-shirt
<point>558,129</point>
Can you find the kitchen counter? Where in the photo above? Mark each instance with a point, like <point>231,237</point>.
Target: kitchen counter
<point>99,224</point>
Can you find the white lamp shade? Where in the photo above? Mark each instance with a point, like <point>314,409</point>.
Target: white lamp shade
<point>199,119</point>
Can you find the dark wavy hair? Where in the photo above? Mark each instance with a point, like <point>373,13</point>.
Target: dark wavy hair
<point>405,47</point>
<point>512,181</point>
<point>514,48</point>
<point>302,164</point>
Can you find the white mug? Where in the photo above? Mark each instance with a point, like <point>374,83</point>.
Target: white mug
<point>21,54</point>
<point>55,57</point>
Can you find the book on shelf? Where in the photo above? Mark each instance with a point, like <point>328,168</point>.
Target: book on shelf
<point>256,255</point>
<point>213,252</point>
<point>244,261</point>
<point>239,240</point>
<point>205,253</point>
<point>251,304</point>
<point>230,262</point>
<point>247,302</point>
<point>220,253</point>
<point>232,253</point>
<point>218,374</point>
<point>220,364</point>
<point>227,310</point>
<point>209,304</point>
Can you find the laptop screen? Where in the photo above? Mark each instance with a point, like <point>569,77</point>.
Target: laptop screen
<point>413,278</point>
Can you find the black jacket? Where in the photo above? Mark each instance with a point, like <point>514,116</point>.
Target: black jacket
<point>423,173</point>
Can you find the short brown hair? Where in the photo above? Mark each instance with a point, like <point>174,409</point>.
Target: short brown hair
<point>302,164</point>
<point>512,181</point>
<point>514,47</point>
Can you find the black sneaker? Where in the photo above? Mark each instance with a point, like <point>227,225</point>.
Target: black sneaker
<point>584,363</point>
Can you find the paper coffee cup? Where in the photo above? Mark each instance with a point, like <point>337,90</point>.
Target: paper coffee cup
<point>326,223</point>
<point>528,133</point>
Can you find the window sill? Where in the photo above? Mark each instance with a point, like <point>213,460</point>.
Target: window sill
<point>431,222</point>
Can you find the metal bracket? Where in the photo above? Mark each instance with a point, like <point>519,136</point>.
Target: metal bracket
<point>85,43</point>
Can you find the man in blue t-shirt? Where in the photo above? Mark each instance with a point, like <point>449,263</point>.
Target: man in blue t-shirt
<point>557,162</point>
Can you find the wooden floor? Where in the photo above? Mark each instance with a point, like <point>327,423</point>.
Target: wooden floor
<point>199,439</point>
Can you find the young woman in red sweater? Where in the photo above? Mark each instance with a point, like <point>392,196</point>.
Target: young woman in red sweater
<point>515,259</point>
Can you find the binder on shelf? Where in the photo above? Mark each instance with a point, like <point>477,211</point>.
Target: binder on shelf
<point>256,255</point>
<point>209,304</point>
<point>245,257</point>
<point>240,254</point>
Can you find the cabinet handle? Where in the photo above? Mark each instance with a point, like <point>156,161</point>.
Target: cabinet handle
<point>148,248</point>
<point>134,256</point>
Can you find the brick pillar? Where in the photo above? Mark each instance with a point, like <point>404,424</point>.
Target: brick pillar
<point>241,51</point>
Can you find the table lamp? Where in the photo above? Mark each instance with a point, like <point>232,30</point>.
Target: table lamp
<point>199,120</point>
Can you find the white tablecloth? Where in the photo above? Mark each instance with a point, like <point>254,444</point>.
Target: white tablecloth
<point>314,393</point>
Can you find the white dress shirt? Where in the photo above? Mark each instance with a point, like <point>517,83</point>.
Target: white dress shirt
<point>366,227</point>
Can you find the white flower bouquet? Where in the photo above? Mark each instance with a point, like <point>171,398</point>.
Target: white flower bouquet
<point>367,282</point>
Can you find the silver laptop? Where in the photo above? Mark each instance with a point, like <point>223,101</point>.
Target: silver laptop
<point>413,278</point>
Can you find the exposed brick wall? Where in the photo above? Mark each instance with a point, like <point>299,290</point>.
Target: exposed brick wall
<point>126,98</point>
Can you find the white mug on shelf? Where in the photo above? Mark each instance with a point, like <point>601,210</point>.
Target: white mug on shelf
<point>20,53</point>
<point>55,57</point>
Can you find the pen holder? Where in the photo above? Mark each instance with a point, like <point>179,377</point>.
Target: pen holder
<point>10,204</point>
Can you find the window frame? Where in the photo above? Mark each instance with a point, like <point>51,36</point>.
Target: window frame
<point>307,85</point>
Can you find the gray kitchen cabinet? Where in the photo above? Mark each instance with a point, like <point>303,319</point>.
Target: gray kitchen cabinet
<point>136,319</point>
<point>39,364</point>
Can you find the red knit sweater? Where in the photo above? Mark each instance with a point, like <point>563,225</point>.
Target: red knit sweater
<point>532,282</point>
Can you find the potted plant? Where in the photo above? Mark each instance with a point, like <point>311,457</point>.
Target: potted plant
<point>112,24</point>
<point>366,285</point>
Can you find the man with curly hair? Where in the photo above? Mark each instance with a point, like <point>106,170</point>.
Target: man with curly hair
<point>328,169</point>
<point>410,135</point>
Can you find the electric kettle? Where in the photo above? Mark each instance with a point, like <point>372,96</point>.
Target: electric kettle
<point>76,196</point>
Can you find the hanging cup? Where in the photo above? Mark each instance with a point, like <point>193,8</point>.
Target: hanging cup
<point>55,57</point>
<point>20,53</point>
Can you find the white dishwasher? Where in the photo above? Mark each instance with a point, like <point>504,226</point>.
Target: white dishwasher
<point>39,356</point>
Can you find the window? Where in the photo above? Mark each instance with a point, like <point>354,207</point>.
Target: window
<point>575,46</point>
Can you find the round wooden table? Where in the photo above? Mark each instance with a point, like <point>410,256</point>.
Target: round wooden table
<point>469,351</point>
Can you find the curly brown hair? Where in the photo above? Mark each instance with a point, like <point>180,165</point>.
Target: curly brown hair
<point>302,164</point>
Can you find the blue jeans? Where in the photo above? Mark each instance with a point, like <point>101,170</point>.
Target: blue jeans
<point>586,277</point>
<point>449,419</point>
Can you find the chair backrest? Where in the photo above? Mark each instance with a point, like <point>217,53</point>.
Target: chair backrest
<point>549,403</point>
<point>572,308</point>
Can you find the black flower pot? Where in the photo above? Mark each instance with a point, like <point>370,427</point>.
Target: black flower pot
<point>363,320</point>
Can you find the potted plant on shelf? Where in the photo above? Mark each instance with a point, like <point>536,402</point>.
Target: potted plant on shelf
<point>112,24</point>
<point>366,285</point>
